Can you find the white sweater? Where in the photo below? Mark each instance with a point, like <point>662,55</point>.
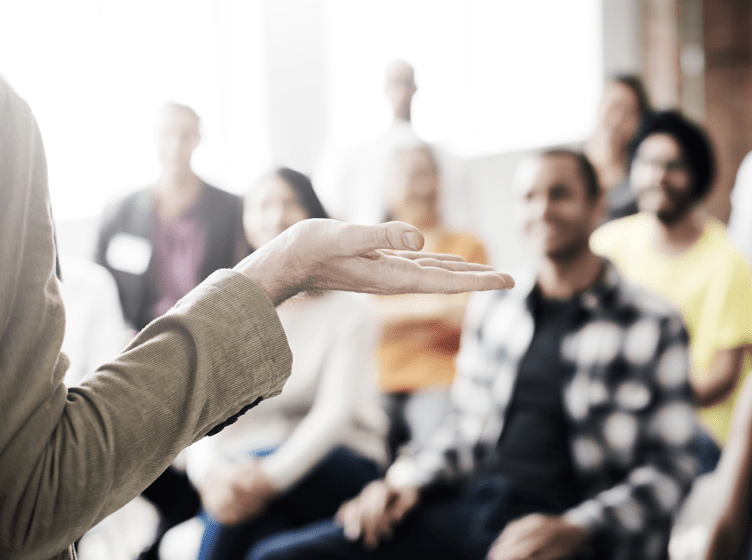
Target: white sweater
<point>330,399</point>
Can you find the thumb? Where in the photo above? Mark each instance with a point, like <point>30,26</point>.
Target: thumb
<point>397,236</point>
<point>404,503</point>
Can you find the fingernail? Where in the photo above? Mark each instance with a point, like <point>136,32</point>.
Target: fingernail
<point>351,533</point>
<point>412,240</point>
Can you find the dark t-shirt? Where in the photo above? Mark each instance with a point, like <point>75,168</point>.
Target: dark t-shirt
<point>533,449</point>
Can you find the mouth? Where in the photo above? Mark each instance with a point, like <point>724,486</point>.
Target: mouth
<point>656,191</point>
<point>543,231</point>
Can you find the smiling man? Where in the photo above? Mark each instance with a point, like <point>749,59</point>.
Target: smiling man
<point>674,248</point>
<point>571,418</point>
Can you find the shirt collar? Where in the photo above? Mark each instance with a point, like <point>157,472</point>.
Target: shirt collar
<point>594,299</point>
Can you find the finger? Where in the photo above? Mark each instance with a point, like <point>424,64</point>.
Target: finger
<point>339,517</point>
<point>370,525</point>
<point>440,280</point>
<point>518,550</point>
<point>519,528</point>
<point>415,255</point>
<point>350,520</point>
<point>397,236</point>
<point>458,266</point>
<point>405,502</point>
<point>374,520</point>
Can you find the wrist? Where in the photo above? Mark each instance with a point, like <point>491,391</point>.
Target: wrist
<point>269,268</point>
<point>272,486</point>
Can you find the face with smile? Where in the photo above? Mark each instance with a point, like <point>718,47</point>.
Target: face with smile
<point>556,212</point>
<point>270,209</point>
<point>661,179</point>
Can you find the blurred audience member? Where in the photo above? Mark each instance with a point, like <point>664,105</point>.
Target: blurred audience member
<point>622,109</point>
<point>740,221</point>
<point>297,457</point>
<point>421,333</point>
<point>161,242</point>
<point>354,187</point>
<point>95,331</point>
<point>674,248</point>
<point>572,421</point>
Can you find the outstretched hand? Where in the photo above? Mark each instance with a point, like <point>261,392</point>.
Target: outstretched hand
<point>315,255</point>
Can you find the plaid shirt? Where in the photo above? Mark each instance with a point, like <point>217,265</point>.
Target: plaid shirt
<point>627,401</point>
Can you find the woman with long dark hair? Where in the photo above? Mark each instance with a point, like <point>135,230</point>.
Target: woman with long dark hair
<point>623,108</point>
<point>316,445</point>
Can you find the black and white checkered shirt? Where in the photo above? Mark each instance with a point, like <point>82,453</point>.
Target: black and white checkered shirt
<point>627,401</point>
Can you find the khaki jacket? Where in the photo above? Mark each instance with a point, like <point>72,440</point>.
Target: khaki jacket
<point>71,456</point>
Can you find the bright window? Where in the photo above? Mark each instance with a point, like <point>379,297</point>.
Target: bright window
<point>492,75</point>
<point>95,73</point>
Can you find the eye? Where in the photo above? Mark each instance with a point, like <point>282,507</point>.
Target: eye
<point>675,165</point>
<point>559,192</point>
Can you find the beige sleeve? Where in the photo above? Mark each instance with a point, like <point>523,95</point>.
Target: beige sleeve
<point>69,458</point>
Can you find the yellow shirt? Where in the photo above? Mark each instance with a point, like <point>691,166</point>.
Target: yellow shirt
<point>414,355</point>
<point>710,283</point>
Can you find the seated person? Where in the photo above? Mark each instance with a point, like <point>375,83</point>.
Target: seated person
<point>294,459</point>
<point>159,243</point>
<point>571,424</point>
<point>421,333</point>
<point>675,249</point>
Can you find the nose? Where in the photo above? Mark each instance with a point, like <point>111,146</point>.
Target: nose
<point>539,208</point>
<point>275,217</point>
<point>658,172</point>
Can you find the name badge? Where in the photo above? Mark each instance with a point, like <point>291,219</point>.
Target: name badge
<point>129,253</point>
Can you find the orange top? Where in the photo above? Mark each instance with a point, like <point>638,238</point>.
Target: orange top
<point>417,353</point>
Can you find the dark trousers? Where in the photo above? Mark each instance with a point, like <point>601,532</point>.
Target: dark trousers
<point>447,524</point>
<point>317,496</point>
<point>176,501</point>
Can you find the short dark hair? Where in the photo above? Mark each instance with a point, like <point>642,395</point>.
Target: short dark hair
<point>587,171</point>
<point>304,193</point>
<point>695,145</point>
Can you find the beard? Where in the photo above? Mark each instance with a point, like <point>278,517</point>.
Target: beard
<point>570,252</point>
<point>681,203</point>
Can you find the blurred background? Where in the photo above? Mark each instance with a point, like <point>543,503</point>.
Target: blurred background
<point>301,84</point>
<point>287,82</point>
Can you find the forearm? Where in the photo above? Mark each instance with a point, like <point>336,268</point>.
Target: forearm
<point>735,472</point>
<point>346,376</point>
<point>627,508</point>
<point>720,381</point>
<point>219,350</point>
<point>312,440</point>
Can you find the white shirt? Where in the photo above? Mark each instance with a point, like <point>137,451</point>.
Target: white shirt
<point>95,331</point>
<point>740,222</point>
<point>330,399</point>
